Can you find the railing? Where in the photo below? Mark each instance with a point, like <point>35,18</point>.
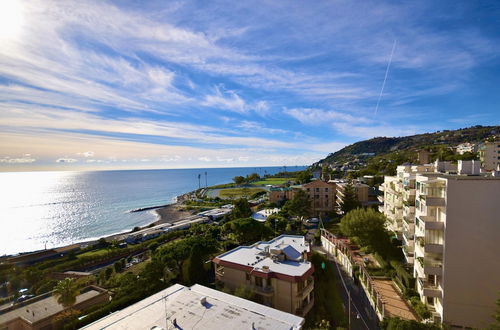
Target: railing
<point>263,290</point>
<point>306,288</point>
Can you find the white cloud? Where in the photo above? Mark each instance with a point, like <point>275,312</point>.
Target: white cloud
<point>311,116</point>
<point>86,154</point>
<point>205,159</point>
<point>66,160</point>
<point>23,160</point>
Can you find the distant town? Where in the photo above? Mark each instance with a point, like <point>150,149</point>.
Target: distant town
<point>411,245</point>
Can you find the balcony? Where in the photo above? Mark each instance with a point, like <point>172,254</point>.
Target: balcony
<point>381,187</point>
<point>434,201</point>
<point>306,290</point>
<point>381,208</point>
<point>305,308</point>
<point>264,291</point>
<point>434,225</point>
<point>409,254</point>
<point>219,271</point>
<point>434,248</point>
<point>380,198</point>
<point>429,289</point>
<point>433,267</point>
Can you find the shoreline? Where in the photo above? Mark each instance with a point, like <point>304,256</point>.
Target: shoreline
<point>166,213</point>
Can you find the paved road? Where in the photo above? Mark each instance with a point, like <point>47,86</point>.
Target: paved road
<point>362,315</point>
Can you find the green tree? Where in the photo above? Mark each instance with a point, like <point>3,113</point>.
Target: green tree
<point>350,200</point>
<point>244,292</point>
<point>299,205</point>
<point>117,266</point>
<point>366,225</point>
<point>304,176</point>
<point>239,180</point>
<point>194,270</point>
<point>399,324</point>
<point>248,230</point>
<point>66,292</point>
<point>108,272</point>
<point>253,177</point>
<point>241,209</point>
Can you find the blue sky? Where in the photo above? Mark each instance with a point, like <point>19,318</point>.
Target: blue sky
<point>169,84</point>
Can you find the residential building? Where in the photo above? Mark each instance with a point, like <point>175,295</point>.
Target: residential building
<point>39,312</point>
<point>280,195</point>
<point>423,157</point>
<point>489,154</point>
<point>322,196</point>
<point>367,196</point>
<point>466,147</point>
<point>197,307</point>
<point>456,255</point>
<point>399,203</point>
<point>277,272</point>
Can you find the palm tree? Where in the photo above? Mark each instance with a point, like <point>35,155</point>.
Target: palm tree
<point>66,292</point>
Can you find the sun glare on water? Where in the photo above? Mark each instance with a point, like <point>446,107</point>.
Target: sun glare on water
<point>11,18</point>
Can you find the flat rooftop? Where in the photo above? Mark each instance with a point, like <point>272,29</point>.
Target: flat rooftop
<point>255,255</point>
<point>183,306</point>
<point>40,309</point>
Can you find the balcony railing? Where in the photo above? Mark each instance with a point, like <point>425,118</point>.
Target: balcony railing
<point>434,248</point>
<point>267,290</point>
<point>306,289</point>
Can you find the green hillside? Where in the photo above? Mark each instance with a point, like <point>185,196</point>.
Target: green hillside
<point>380,155</point>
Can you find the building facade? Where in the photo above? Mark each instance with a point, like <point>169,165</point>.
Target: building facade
<point>277,272</point>
<point>456,234</point>
<point>489,154</point>
<point>322,195</point>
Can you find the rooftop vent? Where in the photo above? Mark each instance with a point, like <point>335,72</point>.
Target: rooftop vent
<point>203,300</point>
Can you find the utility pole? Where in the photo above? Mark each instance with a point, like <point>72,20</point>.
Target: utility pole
<point>349,304</point>
<point>199,181</point>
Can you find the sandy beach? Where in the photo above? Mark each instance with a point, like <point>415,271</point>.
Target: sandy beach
<point>171,213</point>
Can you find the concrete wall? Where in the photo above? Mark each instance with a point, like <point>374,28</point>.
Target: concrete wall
<point>471,279</point>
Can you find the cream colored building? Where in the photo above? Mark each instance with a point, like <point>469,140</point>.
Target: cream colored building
<point>456,264</point>
<point>399,203</point>
<point>322,196</point>
<point>277,272</point>
<point>489,154</point>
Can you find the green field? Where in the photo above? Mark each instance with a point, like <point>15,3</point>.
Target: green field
<point>273,181</point>
<point>239,192</point>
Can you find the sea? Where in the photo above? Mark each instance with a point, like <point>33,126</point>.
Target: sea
<point>49,209</point>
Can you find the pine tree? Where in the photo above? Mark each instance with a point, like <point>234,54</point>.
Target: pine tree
<point>350,200</point>
<point>194,267</point>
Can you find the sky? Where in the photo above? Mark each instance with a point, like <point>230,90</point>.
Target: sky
<point>174,84</point>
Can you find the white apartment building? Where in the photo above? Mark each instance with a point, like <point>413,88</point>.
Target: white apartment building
<point>489,154</point>
<point>399,203</point>
<point>465,147</point>
<point>457,227</point>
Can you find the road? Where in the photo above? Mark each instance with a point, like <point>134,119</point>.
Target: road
<point>362,314</point>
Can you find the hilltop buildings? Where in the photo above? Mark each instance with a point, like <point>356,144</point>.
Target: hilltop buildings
<point>449,226</point>
<point>180,307</point>
<point>277,272</point>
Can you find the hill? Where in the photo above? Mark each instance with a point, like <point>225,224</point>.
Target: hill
<point>400,149</point>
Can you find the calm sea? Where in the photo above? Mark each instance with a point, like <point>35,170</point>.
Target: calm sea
<point>39,209</point>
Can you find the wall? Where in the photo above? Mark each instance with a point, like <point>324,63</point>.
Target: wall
<point>471,260</point>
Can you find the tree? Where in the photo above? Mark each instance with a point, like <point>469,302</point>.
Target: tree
<point>66,292</point>
<point>107,273</point>
<point>241,209</point>
<point>117,266</point>
<point>299,205</point>
<point>239,180</point>
<point>367,225</point>
<point>399,324</point>
<point>350,200</point>
<point>194,272</point>
<point>248,230</point>
<point>244,292</point>
<point>253,177</point>
<point>304,176</point>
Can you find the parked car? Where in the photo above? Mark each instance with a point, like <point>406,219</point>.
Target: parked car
<point>24,297</point>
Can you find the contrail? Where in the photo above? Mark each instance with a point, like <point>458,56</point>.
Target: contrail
<point>385,78</point>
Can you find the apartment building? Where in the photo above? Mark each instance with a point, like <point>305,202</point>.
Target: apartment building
<point>322,196</point>
<point>489,154</point>
<point>399,203</point>
<point>277,272</point>
<point>465,147</point>
<point>456,247</point>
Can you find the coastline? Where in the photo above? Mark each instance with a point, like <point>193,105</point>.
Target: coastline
<point>167,213</point>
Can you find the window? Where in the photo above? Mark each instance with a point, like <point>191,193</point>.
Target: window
<point>258,281</point>
<point>326,189</point>
<point>317,189</point>
<point>308,189</point>
<point>326,196</point>
<point>316,196</point>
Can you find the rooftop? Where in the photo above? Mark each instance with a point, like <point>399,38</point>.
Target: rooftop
<point>197,307</point>
<point>41,307</point>
<point>259,256</point>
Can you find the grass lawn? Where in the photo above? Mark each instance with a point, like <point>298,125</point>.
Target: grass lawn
<point>327,301</point>
<point>239,192</point>
<point>272,181</point>
<point>94,253</point>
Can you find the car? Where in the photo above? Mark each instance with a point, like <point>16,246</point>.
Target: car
<point>24,297</point>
